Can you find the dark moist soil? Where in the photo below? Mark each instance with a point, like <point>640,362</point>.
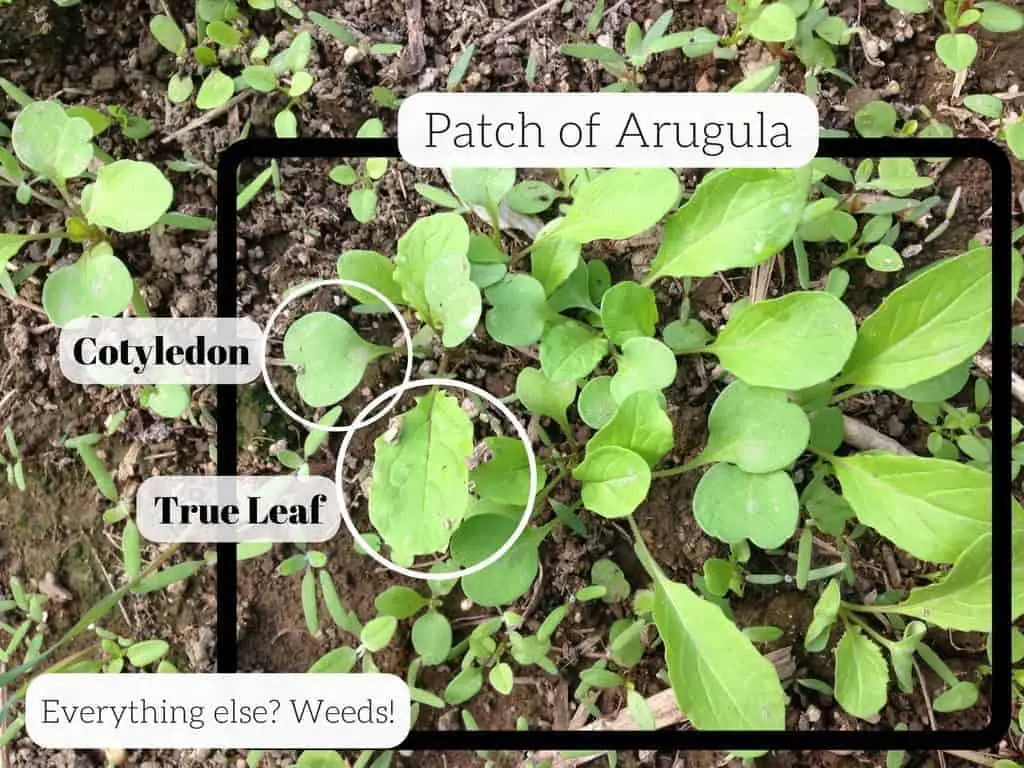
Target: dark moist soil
<point>100,53</point>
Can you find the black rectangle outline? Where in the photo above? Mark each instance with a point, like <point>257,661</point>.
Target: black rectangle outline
<point>999,166</point>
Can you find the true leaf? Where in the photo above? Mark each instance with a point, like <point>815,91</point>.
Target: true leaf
<point>793,342</point>
<point>454,300</point>
<point>596,404</point>
<point>553,260</point>
<point>144,653</point>
<point>644,364</point>
<point>400,602</point>
<point>733,505</point>
<point>506,579</point>
<point>482,186</point>
<point>544,397</point>
<point>441,239</point>
<point>420,484</point>
<point>127,196</point>
<point>775,24</point>
<point>628,310</point>
<point>373,269</point>
<point>570,351</point>
<point>504,478</point>
<point>519,310</point>
<point>615,481</point>
<point>963,695</point>
<point>640,425</point>
<point>168,34</point>
<point>377,633</point>
<point>736,218</point>
<point>862,675</point>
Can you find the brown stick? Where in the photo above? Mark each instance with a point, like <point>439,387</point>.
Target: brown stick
<point>860,435</point>
<point>524,19</point>
<point>208,117</point>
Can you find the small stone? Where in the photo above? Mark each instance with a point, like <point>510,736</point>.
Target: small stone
<point>185,303</point>
<point>105,78</point>
<point>353,55</point>
<point>813,714</point>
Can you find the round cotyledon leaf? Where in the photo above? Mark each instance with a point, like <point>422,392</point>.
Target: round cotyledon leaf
<point>97,284</point>
<point>519,310</point>
<point>733,505</point>
<point>127,196</point>
<point>596,404</point>
<point>511,575</point>
<point>615,481</point>
<point>50,143</point>
<point>644,364</point>
<point>628,309</point>
<point>332,357</point>
<point>756,428</point>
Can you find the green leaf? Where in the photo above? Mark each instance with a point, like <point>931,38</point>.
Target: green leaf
<point>458,70</point>
<point>50,143</point>
<point>684,336</point>
<point>260,78</point>
<point>167,400</point>
<point>320,758</point>
<point>378,633</point>
<point>553,260</point>
<point>131,550</point>
<point>619,204</point>
<point>607,574</point>
<point>519,310</point>
<point>615,481</point>
<point>826,611</point>
<point>875,120</point>
<point>511,576</point>
<point>464,686</point>
<point>216,89</point>
<point>984,104</point>
<point>501,678</point>
<point>309,606</point>
<point>759,80</point>
<point>940,387</point>
<point>544,397</point>
<point>862,675</point>
<point>596,404</point>
<point>486,187</point>
<point>168,34</point>
<point>432,637</point>
<point>327,378</point>
<point>640,425</point>
<point>440,243</point>
<point>926,326</point>
<point>400,602</point>
<point>733,505</point>
<point>628,310</point>
<point>373,269</point>
<point>775,24</point>
<point>645,364</point>
<point>338,31</point>
<point>531,196</point>
<point>570,351</point>
<point>505,477</point>
<point>956,50</point>
<point>999,17</point>
<point>736,218</point>
<point>911,6</point>
<point>755,428</point>
<point>127,196</point>
<point>420,484</point>
<point>963,695</point>
<point>147,652</point>
<point>932,508</point>
<point>362,202</point>
<point>740,689</point>
<point>793,342</point>
<point>337,661</point>
<point>97,284</point>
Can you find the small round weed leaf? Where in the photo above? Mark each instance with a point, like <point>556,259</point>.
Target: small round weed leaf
<point>168,400</point>
<point>793,342</point>
<point>179,88</point>
<point>343,174</point>
<point>327,378</point>
<point>645,364</point>
<point>363,204</point>
<point>615,481</point>
<point>963,695</point>
<point>505,580</point>
<point>733,505</point>
<point>684,336</point>
<point>607,574</point>
<point>373,269</point>
<point>432,637</point>
<point>553,260</point>
<point>400,602</point>
<point>371,129</point>
<point>501,678</point>
<point>884,258</point>
<point>147,652</point>
<point>50,143</point>
<point>128,196</point>
<point>320,758</point>
<point>834,30</point>
<point>531,196</point>
<point>570,351</point>
<point>639,424</point>
<point>301,83</point>
<point>464,686</point>
<point>377,633</point>
<point>619,204</point>
<point>223,34</point>
<point>875,120</point>
<point>260,78</point>
<point>544,397</point>
<point>596,404</point>
<point>999,17</point>
<point>519,311</point>
<point>168,34</point>
<point>984,104</point>
<point>504,478</point>
<point>956,50</point>
<point>942,387</point>
<point>216,89</point>
<point>775,24</point>
<point>337,661</point>
<point>755,428</point>
<point>625,642</point>
<point>482,186</point>
<point>862,676</point>
<point>97,284</point>
<point>483,250</point>
<point>826,430</point>
<point>628,310</point>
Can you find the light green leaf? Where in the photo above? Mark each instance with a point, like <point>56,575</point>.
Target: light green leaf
<point>327,378</point>
<point>596,404</point>
<point>420,484</point>
<point>826,611</point>
<point>531,196</point>
<point>570,351</point>
<point>961,696</point>
<point>736,218</point>
<point>984,104</point>
<point>552,260</point>
<point>544,397</point>
<point>615,481</point>
<point>940,387</point>
<point>337,661</point>
<point>862,675</point>
<point>501,678</point>
<point>956,50</point>
<point>127,196</point>
<point>875,120</point>
<point>640,425</point>
<point>685,336</point>
<point>755,428</point>
<point>373,269</point>
<point>644,364</point>
<point>97,284</point>
<point>999,17</point>
<point>733,505</point>
<point>260,78</point>
<point>400,602</point>
<point>911,6</point>
<point>50,143</point>
<point>147,652</point>
<point>439,239</point>
<point>432,637</point>
<point>362,202</point>
<point>377,633</point>
<point>519,310</point>
<point>505,477</point>
<point>628,310</point>
<point>793,342</point>
<point>511,576</point>
<point>926,326</point>
<point>168,34</point>
<point>775,24</point>
<point>454,300</point>
<point>482,186</point>
<point>619,204</point>
<point>216,89</point>
<point>167,400</point>
<point>932,508</point>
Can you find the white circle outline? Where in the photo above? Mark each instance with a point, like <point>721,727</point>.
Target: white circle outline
<point>309,288</point>
<point>531,460</point>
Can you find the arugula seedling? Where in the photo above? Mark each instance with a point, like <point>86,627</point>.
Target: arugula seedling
<point>362,198</point>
